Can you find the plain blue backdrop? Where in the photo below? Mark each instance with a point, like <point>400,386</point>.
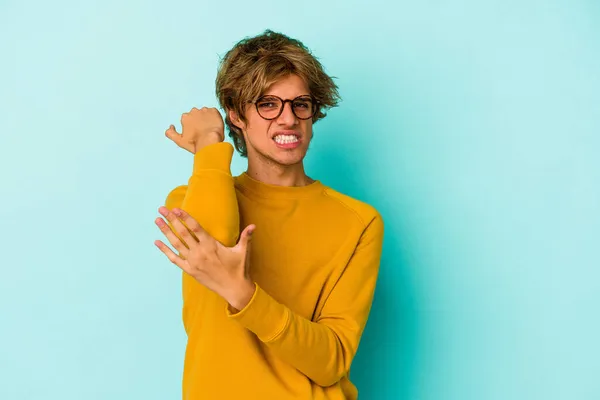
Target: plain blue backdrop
<point>473,126</point>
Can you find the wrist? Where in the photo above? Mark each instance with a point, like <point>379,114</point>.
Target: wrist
<point>207,139</point>
<point>216,136</point>
<point>241,295</point>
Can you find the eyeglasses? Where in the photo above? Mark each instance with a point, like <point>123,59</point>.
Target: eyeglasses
<point>270,107</point>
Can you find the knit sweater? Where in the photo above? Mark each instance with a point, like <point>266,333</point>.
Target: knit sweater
<point>314,258</point>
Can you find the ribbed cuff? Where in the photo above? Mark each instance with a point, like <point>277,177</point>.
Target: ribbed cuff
<point>263,315</point>
<point>216,156</point>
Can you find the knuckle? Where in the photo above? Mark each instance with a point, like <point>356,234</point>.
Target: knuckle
<point>183,232</point>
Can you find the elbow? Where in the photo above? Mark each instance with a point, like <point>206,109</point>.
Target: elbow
<point>331,376</point>
<point>337,368</point>
<point>329,379</point>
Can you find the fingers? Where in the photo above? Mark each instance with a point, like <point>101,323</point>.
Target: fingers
<point>180,227</point>
<point>176,242</point>
<point>192,224</point>
<point>174,258</point>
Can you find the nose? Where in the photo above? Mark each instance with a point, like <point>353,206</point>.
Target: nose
<point>287,117</point>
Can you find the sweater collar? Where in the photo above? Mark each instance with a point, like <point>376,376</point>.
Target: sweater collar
<point>273,191</point>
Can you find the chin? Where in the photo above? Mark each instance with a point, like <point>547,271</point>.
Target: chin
<point>289,160</point>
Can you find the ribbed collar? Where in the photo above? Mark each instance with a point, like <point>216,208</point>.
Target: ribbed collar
<point>278,192</point>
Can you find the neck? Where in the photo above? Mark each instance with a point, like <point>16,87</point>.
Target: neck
<point>279,175</point>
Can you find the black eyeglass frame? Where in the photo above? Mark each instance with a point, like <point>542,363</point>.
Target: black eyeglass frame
<point>314,101</point>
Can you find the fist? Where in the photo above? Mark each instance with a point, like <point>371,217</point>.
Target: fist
<point>199,128</point>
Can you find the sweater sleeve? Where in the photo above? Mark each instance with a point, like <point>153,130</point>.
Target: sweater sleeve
<point>209,196</point>
<point>210,199</point>
<point>324,349</point>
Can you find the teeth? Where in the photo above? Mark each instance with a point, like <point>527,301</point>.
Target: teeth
<point>283,139</point>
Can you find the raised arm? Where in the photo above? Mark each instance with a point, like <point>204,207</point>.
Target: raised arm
<point>209,195</point>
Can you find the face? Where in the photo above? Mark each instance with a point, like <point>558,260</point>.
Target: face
<point>283,140</point>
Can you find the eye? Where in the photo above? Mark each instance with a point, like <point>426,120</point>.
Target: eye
<point>303,103</point>
<point>268,103</point>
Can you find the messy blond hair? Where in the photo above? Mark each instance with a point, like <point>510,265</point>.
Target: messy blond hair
<point>255,63</point>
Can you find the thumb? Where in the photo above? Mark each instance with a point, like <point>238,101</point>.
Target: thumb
<point>245,243</point>
<point>246,237</point>
<point>172,134</point>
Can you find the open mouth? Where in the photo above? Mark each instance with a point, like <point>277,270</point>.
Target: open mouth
<point>286,139</point>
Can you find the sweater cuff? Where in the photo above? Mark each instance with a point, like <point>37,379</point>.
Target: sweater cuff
<point>216,156</point>
<point>263,315</point>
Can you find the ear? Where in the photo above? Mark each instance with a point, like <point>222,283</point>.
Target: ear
<point>233,117</point>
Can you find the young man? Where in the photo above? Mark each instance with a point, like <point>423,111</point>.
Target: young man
<point>283,319</point>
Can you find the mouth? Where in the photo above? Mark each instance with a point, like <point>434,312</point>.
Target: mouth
<point>287,140</point>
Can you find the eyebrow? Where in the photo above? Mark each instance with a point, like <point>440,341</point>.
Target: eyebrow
<point>274,95</point>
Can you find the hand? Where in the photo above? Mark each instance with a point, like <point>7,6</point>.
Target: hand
<point>224,270</point>
<point>199,128</point>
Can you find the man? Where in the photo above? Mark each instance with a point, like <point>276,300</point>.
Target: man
<point>284,319</point>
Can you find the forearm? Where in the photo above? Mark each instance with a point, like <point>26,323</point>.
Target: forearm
<point>210,196</point>
<point>318,350</point>
<point>210,199</point>
<point>323,350</point>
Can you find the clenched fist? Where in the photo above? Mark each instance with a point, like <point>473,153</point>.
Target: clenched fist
<point>199,128</point>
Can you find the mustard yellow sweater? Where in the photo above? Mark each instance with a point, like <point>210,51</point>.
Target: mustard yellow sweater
<point>315,260</point>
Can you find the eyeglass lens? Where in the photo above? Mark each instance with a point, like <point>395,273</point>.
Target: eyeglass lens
<point>270,107</point>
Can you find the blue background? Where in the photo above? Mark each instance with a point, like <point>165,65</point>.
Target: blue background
<point>473,126</point>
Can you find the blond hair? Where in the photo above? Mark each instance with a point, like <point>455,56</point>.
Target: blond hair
<point>255,63</point>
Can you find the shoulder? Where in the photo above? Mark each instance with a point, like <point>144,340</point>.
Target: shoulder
<point>363,211</point>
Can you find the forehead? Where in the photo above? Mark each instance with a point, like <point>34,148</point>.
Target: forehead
<point>288,87</point>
